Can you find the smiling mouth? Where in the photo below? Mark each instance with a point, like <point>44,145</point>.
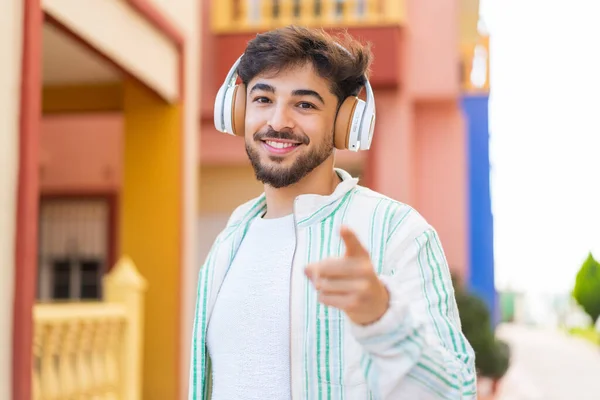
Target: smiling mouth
<point>280,146</point>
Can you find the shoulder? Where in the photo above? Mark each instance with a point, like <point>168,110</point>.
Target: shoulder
<point>400,221</point>
<point>242,213</point>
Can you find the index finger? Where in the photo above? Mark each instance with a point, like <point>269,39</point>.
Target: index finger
<point>334,268</point>
<point>354,247</point>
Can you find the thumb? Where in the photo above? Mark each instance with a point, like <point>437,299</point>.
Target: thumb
<point>354,247</point>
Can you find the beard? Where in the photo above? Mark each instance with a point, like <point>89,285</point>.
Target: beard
<point>274,173</point>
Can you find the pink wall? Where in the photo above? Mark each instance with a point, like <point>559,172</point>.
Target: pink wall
<point>439,154</point>
<point>81,153</point>
<point>218,148</point>
<point>432,50</point>
<point>419,157</point>
<point>419,150</point>
<point>440,170</point>
<point>390,161</point>
<point>210,80</point>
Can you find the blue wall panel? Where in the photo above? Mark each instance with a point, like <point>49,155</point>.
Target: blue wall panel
<point>481,229</point>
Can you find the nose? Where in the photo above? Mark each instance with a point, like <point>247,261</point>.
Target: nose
<point>281,118</point>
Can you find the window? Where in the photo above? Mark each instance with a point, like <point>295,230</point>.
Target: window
<point>73,249</point>
<point>61,280</point>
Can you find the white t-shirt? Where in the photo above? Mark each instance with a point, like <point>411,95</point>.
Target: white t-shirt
<point>248,334</point>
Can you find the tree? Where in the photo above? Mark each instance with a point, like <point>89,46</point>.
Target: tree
<point>587,288</point>
<point>492,356</point>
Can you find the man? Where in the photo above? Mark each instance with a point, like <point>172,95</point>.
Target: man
<point>320,288</point>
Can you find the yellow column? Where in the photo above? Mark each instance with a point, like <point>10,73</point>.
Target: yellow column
<point>151,228</point>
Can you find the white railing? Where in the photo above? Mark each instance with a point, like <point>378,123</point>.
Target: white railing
<point>92,350</point>
<point>231,16</point>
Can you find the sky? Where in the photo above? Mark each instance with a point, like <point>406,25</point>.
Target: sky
<point>544,139</point>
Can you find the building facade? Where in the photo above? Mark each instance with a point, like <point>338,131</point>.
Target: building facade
<point>66,218</point>
<point>109,150</point>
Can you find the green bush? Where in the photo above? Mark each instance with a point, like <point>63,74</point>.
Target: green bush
<point>587,288</point>
<point>492,356</point>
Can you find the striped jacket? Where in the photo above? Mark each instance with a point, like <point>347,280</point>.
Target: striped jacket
<point>416,351</point>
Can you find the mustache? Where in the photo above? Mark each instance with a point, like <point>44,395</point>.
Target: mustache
<point>285,135</point>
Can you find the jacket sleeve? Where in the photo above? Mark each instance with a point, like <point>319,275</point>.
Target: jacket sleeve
<point>417,349</point>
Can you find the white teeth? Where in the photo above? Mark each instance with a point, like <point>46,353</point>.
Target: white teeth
<point>279,145</point>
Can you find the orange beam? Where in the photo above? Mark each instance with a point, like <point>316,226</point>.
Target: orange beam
<point>82,98</point>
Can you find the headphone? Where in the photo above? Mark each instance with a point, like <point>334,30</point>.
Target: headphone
<point>354,122</point>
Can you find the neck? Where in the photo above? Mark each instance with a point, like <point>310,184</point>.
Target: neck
<point>321,181</point>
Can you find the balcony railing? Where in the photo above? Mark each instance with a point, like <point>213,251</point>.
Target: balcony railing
<point>92,350</point>
<point>233,16</point>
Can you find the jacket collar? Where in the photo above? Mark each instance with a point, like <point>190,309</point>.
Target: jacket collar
<point>312,208</point>
<point>308,208</point>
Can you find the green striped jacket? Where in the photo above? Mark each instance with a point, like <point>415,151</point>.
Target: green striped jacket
<point>416,351</point>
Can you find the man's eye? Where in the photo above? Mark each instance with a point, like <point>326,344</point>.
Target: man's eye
<point>306,106</point>
<point>263,100</point>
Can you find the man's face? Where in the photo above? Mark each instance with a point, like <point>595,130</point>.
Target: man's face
<point>289,124</point>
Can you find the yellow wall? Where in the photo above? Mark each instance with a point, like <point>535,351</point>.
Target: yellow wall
<point>11,17</point>
<point>151,233</point>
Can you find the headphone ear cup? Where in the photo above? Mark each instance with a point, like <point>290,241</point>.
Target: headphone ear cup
<point>343,123</point>
<point>238,110</point>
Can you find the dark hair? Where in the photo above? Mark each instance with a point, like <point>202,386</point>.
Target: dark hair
<point>273,51</point>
